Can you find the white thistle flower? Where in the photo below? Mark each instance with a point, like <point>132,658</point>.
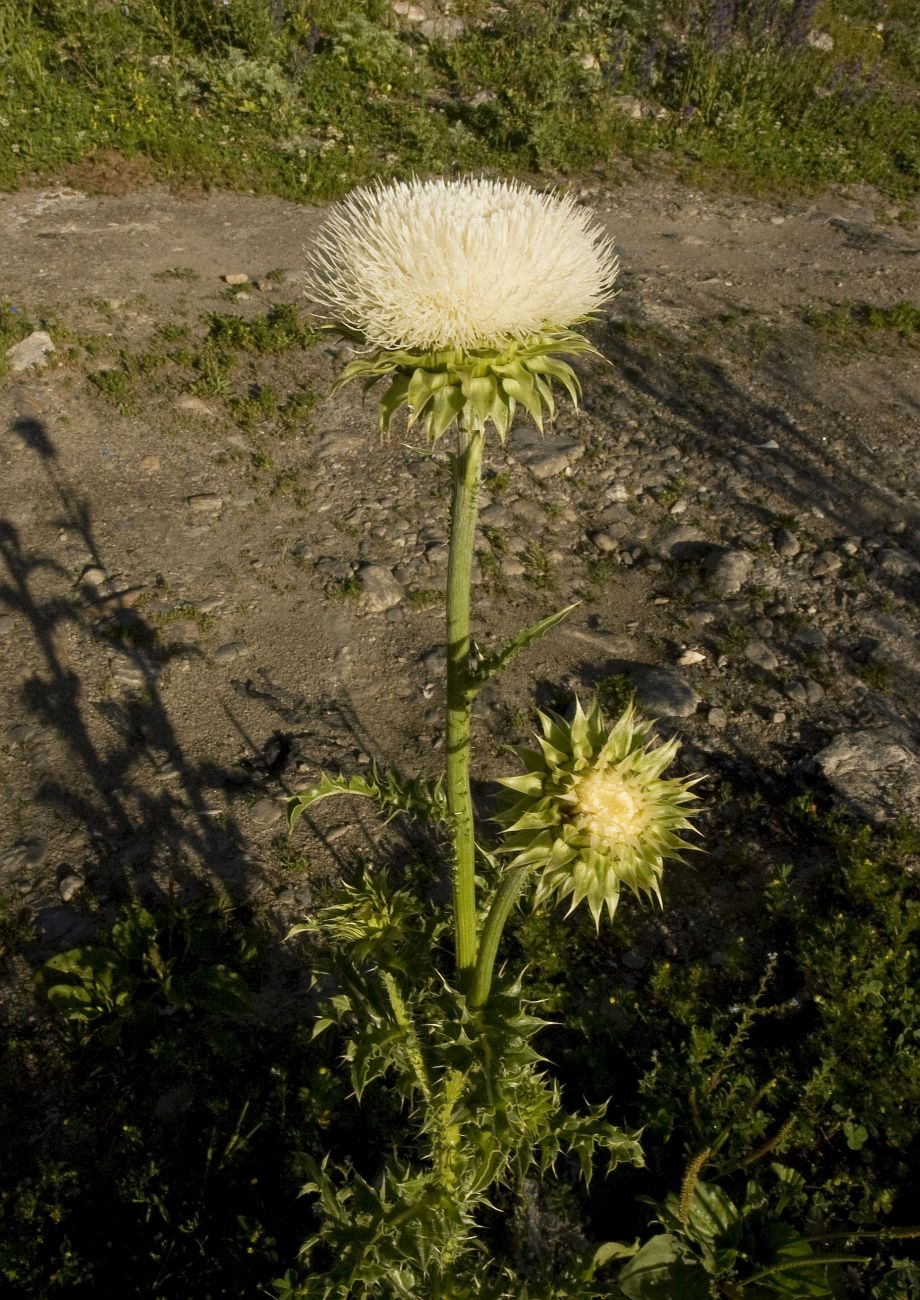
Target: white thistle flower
<point>464,264</point>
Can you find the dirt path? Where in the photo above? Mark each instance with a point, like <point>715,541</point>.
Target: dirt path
<point>207,597</point>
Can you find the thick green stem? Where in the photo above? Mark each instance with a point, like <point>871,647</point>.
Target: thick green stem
<point>505,898</point>
<point>459,802</point>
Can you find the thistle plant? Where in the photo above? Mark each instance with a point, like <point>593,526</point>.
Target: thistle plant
<point>464,296</point>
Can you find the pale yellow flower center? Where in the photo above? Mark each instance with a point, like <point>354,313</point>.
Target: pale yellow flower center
<point>610,808</point>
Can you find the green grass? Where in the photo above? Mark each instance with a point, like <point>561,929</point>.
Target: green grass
<point>859,325</point>
<point>307,100</point>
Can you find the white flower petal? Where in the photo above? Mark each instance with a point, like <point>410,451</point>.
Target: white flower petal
<point>459,264</point>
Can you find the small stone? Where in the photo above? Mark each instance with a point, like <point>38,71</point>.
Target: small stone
<point>876,772</point>
<point>30,351</point>
<point>210,604</point>
<point>204,502</point>
<point>605,541</point>
<point>194,406</point>
<point>777,717</point>
<point>682,543</point>
<point>70,884</point>
<point>265,286</point>
<point>546,457</point>
<point>227,654</point>
<point>679,507</point>
<point>826,564</point>
<point>94,576</point>
<point>717,718</point>
<point>266,812</point>
<point>150,464</point>
<point>512,567</point>
<point>804,691</point>
<point>7,624</point>
<point>812,637</point>
<point>820,40</point>
<point>235,277</point>
<point>726,571</point>
<point>617,492</point>
<point>899,563</point>
<point>760,654</point>
<point>663,692</point>
<point>786,544</point>
<point>379,589</point>
<point>690,657</point>
<point>412,13</point>
<point>185,631</point>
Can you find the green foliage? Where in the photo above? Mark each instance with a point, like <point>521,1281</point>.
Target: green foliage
<point>145,964</point>
<point>309,100</point>
<point>481,1116</point>
<point>392,792</point>
<point>151,1120</point>
<point>860,325</point>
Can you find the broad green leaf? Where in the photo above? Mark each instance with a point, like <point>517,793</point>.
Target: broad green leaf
<point>221,990</point>
<point>664,1269</point>
<point>133,936</point>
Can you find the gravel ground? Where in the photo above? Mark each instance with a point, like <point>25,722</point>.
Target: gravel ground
<point>198,611</point>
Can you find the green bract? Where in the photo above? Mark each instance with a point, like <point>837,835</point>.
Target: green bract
<point>592,812</point>
<point>479,385</point>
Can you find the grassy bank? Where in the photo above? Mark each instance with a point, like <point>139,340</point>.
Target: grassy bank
<point>306,98</point>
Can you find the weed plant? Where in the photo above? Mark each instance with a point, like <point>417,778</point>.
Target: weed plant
<point>308,99</point>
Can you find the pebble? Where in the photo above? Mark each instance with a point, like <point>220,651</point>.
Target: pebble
<point>194,406</point>
<point>805,691</point>
<point>682,543</point>
<point>606,540</point>
<point>69,884</point>
<point>826,564</point>
<point>229,653</point>
<point>379,589</point>
<point>786,544</point>
<point>876,772</point>
<point>662,692</point>
<point>204,502</point>
<point>546,457</point>
<point>235,277</point>
<point>760,654</point>
<point>717,717</point>
<point>33,350</point>
<point>150,464</point>
<point>726,571</point>
<point>897,562</point>
<point>690,657</point>
<point>267,811</point>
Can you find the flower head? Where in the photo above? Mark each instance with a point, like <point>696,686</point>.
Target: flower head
<point>466,264</point>
<point>463,291</point>
<point>593,811</point>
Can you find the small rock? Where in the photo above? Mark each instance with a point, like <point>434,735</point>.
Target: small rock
<point>605,540</point>
<point>684,543</point>
<point>812,637</point>
<point>663,692</point>
<point>804,691</point>
<point>7,624</point>
<point>826,564</point>
<point>94,576</point>
<point>717,718</point>
<point>150,464</point>
<point>726,571</point>
<point>445,28</point>
<point>266,812</point>
<point>876,772</point>
<point>545,457</point>
<point>265,286</point>
<point>194,405</point>
<point>235,277</point>
<point>819,40</point>
<point>204,502</point>
<point>412,13</point>
<point>379,589</point>
<point>786,544</point>
<point>70,884</point>
<point>690,657</point>
<point>899,563</point>
<point>227,654</point>
<point>30,351</point>
<point>760,654</point>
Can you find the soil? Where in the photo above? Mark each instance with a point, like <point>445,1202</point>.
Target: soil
<point>194,620</point>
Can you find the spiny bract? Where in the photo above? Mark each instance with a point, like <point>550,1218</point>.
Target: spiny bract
<point>593,812</point>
